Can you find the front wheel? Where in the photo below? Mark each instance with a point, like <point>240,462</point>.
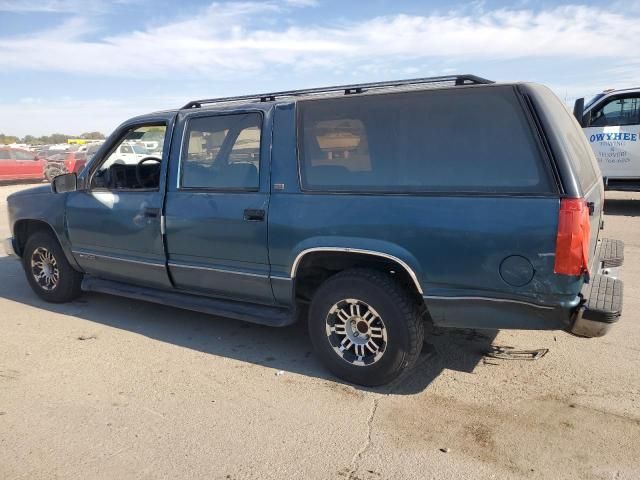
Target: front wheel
<point>48,272</point>
<point>365,326</point>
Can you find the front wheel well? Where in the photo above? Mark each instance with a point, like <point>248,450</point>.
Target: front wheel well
<point>23,229</point>
<point>316,267</point>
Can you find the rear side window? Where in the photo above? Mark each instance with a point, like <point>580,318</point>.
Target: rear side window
<point>569,133</point>
<point>222,152</point>
<point>467,140</point>
<point>22,155</point>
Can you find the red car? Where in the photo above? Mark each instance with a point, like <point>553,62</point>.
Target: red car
<point>75,161</point>
<point>19,164</point>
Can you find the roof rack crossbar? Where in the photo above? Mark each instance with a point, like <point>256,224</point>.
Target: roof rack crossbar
<point>348,89</point>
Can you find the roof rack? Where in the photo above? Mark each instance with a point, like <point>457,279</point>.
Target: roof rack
<point>457,80</point>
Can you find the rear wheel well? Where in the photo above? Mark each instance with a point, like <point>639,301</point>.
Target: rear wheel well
<point>23,229</point>
<point>316,267</point>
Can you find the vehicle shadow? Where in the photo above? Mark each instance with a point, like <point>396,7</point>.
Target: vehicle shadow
<point>287,349</point>
<point>622,207</point>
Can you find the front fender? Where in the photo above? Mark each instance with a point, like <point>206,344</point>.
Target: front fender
<point>41,205</point>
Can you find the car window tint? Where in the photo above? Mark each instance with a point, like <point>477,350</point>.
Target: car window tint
<point>472,140</point>
<point>579,152</point>
<point>4,154</point>
<point>121,169</point>
<point>617,112</point>
<point>22,155</point>
<point>222,152</point>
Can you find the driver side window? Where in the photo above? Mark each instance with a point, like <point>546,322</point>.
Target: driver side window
<point>130,165</point>
<point>617,112</point>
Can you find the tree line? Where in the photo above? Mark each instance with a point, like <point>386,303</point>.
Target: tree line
<point>48,139</point>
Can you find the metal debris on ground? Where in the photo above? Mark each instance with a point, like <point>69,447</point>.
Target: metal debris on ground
<point>87,337</point>
<point>508,353</point>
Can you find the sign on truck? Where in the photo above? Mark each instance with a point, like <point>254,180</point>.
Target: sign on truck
<point>611,123</point>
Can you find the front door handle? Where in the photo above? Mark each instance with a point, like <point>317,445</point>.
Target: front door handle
<point>151,212</point>
<point>253,215</point>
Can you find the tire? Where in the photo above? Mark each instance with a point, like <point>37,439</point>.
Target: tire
<point>397,333</point>
<point>42,248</point>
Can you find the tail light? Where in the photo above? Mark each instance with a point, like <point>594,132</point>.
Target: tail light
<point>572,242</point>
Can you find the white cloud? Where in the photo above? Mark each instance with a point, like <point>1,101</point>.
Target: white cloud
<point>223,41</point>
<point>57,6</point>
<point>231,40</point>
<point>302,3</point>
<point>37,116</point>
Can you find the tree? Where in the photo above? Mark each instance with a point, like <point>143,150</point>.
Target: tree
<point>92,136</point>
<point>57,138</point>
<point>7,139</point>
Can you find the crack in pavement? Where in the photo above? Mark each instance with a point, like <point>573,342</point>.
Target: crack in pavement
<point>358,455</point>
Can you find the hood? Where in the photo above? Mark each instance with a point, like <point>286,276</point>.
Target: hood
<point>40,190</point>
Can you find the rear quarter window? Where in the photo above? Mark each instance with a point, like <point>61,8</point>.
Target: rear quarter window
<point>569,136</point>
<point>458,140</point>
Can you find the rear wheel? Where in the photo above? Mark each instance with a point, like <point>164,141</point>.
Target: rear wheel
<point>365,327</point>
<point>48,272</point>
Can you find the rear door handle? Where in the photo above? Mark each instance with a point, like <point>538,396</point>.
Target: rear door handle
<point>254,215</point>
<point>151,212</point>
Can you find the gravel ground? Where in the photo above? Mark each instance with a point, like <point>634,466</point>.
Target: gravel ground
<point>108,388</point>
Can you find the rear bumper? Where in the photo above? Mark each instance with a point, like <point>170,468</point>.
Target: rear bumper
<point>601,304</point>
<point>8,247</point>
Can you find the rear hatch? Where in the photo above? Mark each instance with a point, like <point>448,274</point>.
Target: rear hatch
<point>576,164</point>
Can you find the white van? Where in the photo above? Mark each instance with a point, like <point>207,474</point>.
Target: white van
<point>611,123</point>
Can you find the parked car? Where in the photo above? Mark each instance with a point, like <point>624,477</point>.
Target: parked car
<point>54,166</point>
<point>368,208</point>
<point>75,161</point>
<point>611,123</point>
<point>20,164</point>
<point>130,153</point>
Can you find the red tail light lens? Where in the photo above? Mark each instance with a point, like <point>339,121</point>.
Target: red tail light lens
<point>572,243</point>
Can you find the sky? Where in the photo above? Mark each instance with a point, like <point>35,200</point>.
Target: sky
<point>73,66</point>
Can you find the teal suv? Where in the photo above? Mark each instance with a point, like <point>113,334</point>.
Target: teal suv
<point>367,209</point>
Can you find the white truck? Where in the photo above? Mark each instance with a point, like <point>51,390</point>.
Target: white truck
<point>611,123</point>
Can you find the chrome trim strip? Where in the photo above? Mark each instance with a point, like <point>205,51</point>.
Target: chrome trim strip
<point>282,279</point>
<point>93,256</point>
<point>219,270</point>
<point>489,299</point>
<point>412,274</point>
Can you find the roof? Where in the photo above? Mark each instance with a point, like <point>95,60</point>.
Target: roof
<point>610,91</point>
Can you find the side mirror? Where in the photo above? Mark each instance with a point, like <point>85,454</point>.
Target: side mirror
<point>67,182</point>
<point>578,111</point>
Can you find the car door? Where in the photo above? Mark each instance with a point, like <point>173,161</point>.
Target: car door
<point>27,164</point>
<point>114,223</point>
<point>7,164</point>
<point>613,131</point>
<point>217,204</point>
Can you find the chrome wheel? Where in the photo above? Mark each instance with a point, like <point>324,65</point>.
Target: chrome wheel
<point>44,269</point>
<point>356,332</point>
